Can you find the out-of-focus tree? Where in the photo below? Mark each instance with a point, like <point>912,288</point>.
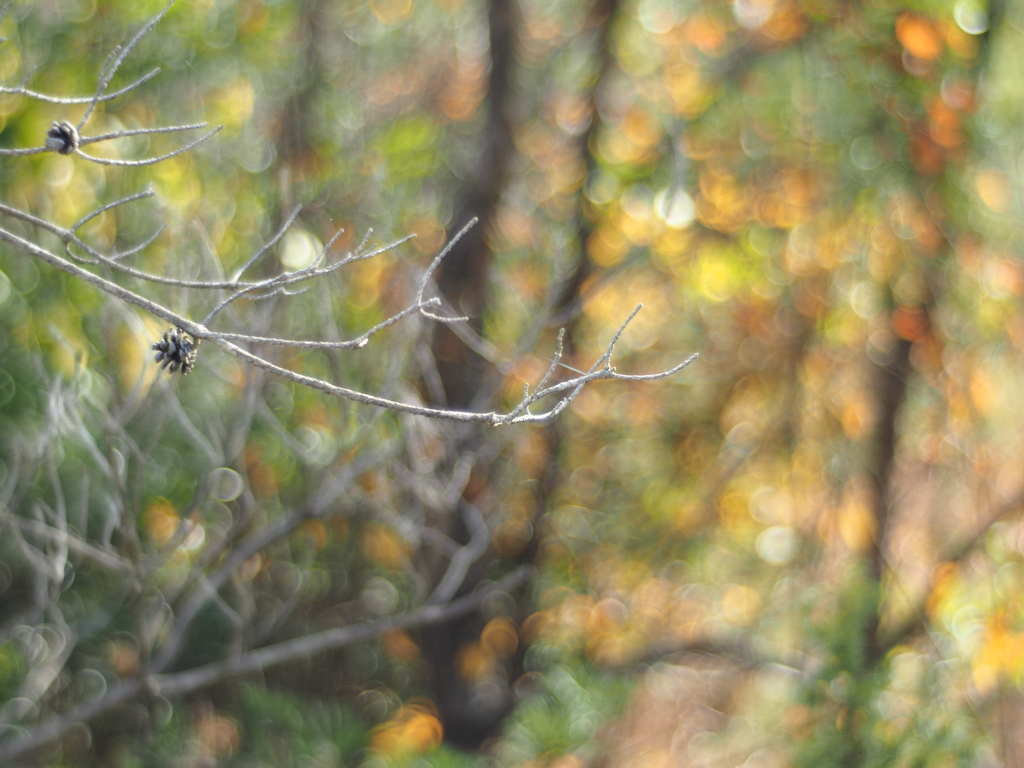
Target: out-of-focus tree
<point>813,189</point>
<point>809,555</point>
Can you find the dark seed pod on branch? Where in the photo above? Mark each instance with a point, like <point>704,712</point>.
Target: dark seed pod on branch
<point>178,350</point>
<point>62,138</point>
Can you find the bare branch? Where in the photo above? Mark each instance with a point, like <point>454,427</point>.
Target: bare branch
<point>274,286</point>
<point>464,557</point>
<point>23,152</point>
<point>95,280</point>
<point>150,160</point>
<point>357,343</point>
<point>238,553</point>
<point>520,414</point>
<point>270,243</point>
<point>115,62</point>
<point>82,141</point>
<point>142,131</point>
<point>147,192</point>
<point>424,281</point>
<point>71,100</point>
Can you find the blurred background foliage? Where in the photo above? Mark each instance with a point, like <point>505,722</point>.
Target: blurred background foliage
<point>806,549</point>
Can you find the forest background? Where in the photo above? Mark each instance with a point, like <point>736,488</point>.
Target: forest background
<point>803,549</point>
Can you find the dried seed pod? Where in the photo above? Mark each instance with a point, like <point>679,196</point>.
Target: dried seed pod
<point>177,349</point>
<point>62,138</point>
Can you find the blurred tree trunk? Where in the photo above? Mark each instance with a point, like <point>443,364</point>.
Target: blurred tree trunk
<point>463,280</point>
<point>463,275</point>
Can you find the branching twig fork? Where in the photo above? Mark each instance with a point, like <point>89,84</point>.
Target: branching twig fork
<point>520,414</point>
<point>115,61</point>
<point>150,160</point>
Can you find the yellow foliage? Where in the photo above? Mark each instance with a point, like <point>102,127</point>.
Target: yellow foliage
<point>722,203</point>
<point>994,190</point>
<point>161,521</point>
<point>1000,656</point>
<point>366,279</point>
<point>178,183</point>
<point>856,523</point>
<point>537,625</point>
<point>857,415</point>
<point>430,234</point>
<point>671,249</point>
<point>740,605</point>
<point>734,511</point>
<point>607,616</point>
<point>135,356</point>
<point>500,636</point>
<point>412,730</point>
<point>474,662</point>
<point>690,95</point>
<point>234,102</point>
<point>944,581</point>
<point>607,245</point>
<point>638,224</point>
<point>982,389</point>
<point>383,547</point>
<point>961,43</point>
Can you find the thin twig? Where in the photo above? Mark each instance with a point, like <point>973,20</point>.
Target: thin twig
<point>141,131</point>
<point>519,415</point>
<point>71,100</point>
<point>424,281</point>
<point>109,72</point>
<point>149,160</point>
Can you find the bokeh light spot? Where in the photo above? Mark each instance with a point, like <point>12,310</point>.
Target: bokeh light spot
<point>226,484</point>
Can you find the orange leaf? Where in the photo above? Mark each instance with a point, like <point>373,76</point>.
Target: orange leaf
<point>919,36</point>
